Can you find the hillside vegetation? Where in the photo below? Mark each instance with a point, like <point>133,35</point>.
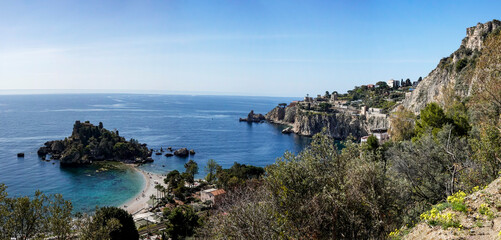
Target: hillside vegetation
<point>379,191</point>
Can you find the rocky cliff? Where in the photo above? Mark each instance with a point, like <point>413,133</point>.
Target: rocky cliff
<point>89,143</point>
<point>458,72</point>
<point>338,124</point>
<point>280,115</point>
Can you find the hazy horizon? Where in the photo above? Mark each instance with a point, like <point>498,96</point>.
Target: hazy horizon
<point>255,48</point>
<point>131,91</point>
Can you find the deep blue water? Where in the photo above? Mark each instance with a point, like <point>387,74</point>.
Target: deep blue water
<point>207,124</point>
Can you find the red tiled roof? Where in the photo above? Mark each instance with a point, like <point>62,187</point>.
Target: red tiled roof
<point>218,192</point>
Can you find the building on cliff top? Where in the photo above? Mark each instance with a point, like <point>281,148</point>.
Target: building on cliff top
<point>293,104</point>
<point>393,83</point>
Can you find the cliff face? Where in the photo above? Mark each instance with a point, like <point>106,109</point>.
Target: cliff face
<point>338,125</point>
<point>457,72</point>
<point>280,115</point>
<point>378,121</point>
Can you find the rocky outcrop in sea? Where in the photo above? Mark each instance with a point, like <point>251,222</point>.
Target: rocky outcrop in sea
<point>89,143</point>
<point>253,117</point>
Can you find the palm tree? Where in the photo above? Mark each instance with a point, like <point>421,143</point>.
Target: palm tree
<point>152,198</point>
<point>158,187</point>
<point>162,191</point>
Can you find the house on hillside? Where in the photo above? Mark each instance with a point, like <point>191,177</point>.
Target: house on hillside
<point>381,134</point>
<point>308,98</point>
<point>393,83</point>
<point>213,195</point>
<point>293,103</point>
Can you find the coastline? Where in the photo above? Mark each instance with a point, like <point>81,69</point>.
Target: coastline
<point>139,203</point>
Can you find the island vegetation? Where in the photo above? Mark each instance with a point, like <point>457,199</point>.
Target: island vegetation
<point>89,143</point>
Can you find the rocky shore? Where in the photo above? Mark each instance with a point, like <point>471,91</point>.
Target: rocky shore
<point>338,125</point>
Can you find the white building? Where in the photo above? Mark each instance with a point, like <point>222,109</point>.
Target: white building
<point>393,83</point>
<point>213,195</point>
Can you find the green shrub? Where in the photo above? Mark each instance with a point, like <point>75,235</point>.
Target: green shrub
<point>461,64</point>
<point>435,217</point>
<point>457,201</point>
<point>485,210</point>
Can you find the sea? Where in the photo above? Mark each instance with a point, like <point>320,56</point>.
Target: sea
<point>207,124</point>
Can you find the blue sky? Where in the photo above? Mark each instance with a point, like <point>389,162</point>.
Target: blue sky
<point>270,48</point>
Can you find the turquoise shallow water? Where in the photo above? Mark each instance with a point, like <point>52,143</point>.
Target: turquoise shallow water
<point>208,124</point>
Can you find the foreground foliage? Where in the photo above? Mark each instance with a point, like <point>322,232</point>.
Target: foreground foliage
<point>369,190</point>
<point>49,216</point>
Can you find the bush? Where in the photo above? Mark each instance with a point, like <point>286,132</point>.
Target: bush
<point>446,220</point>
<point>127,229</point>
<point>461,64</point>
<point>457,201</point>
<point>485,210</point>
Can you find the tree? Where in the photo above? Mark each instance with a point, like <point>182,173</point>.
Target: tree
<point>318,194</point>
<point>191,169</point>
<point>372,143</point>
<point>324,107</point>
<point>434,165</point>
<point>153,198</point>
<point>158,187</point>
<point>211,168</point>
<point>249,203</point>
<point>60,218</point>
<point>402,124</point>
<point>172,180</point>
<point>431,117</point>
<point>27,216</point>
<point>382,85</point>
<point>182,222</point>
<point>457,115</point>
<point>88,230</point>
<point>237,175</point>
<point>127,229</point>
<point>4,213</point>
<point>408,82</point>
<point>37,217</point>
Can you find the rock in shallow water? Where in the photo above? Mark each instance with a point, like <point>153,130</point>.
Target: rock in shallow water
<point>182,152</point>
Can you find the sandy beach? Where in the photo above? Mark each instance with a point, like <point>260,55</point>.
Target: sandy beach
<point>139,203</point>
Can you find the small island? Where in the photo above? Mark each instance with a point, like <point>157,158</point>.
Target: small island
<point>89,143</point>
